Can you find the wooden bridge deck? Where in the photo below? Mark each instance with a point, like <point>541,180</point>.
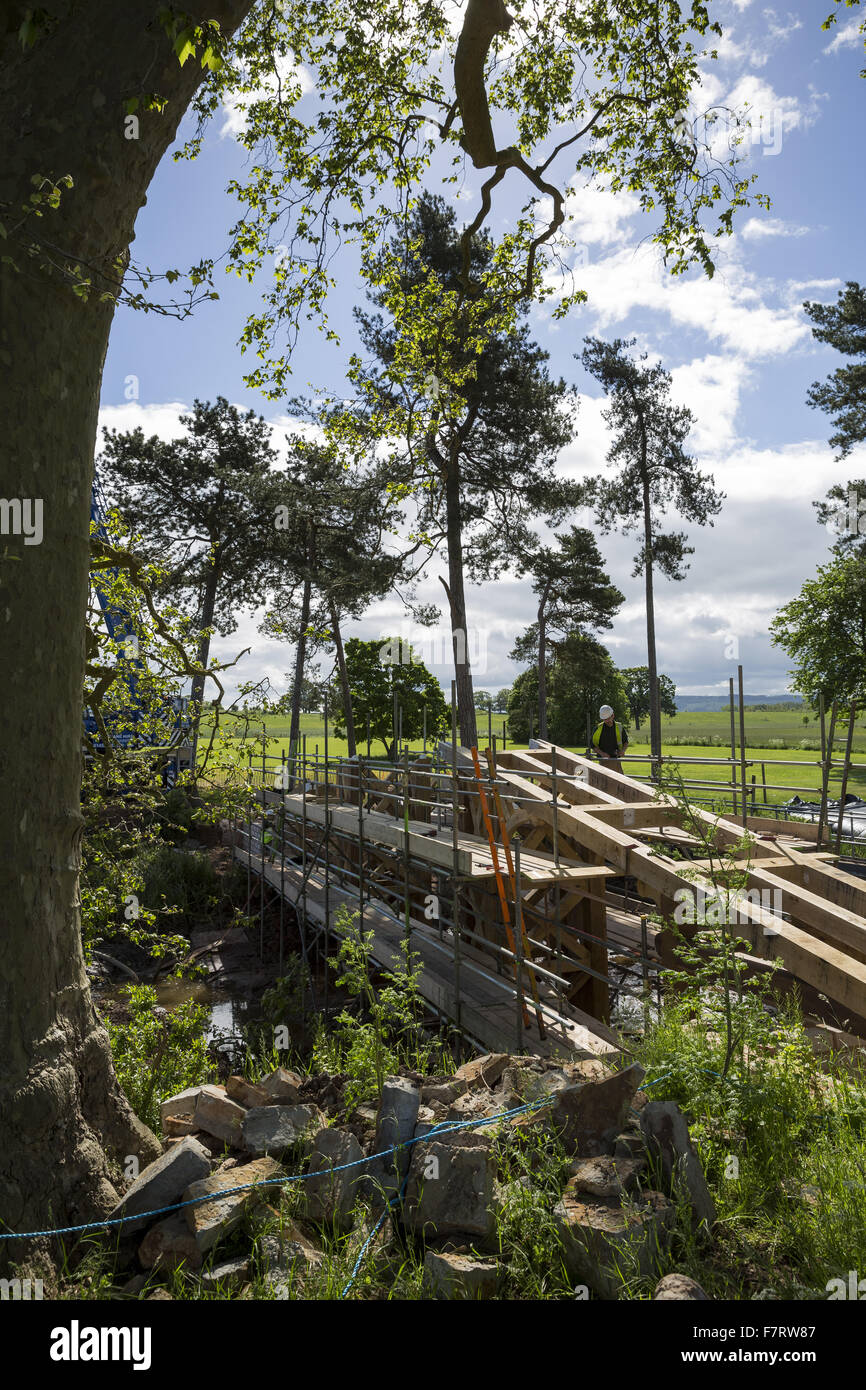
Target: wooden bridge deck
<point>488,1002</point>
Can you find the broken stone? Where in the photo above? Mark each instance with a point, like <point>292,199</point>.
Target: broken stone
<point>287,1258</point>
<point>588,1116</point>
<point>283,1086</point>
<point>443,1093</point>
<point>282,1251</point>
<point>331,1195</point>
<point>395,1126</point>
<point>211,1220</point>
<point>275,1128</point>
<point>177,1126</point>
<point>678,1287</point>
<point>601,1237</point>
<point>606,1177</point>
<point>425,1122</point>
<point>162,1183</point>
<point>629,1144</point>
<point>484,1070</point>
<point>133,1287</point>
<point>667,1137</point>
<point>219,1116</point>
<point>474,1105</point>
<point>169,1245</point>
<point>451,1187</point>
<point>183,1104</point>
<point>246,1094</point>
<point>232,1274</point>
<point>459,1276</point>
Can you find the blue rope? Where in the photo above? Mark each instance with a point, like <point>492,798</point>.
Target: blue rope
<point>445,1127</point>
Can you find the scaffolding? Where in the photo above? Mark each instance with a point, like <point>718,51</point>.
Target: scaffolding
<point>527,887</point>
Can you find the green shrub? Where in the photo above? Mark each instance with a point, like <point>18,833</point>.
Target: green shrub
<point>157,1054</point>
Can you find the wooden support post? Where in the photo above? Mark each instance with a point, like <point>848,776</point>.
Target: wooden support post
<point>733,750</point>
<point>825,778</point>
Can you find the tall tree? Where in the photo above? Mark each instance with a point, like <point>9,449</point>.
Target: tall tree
<point>485,468</point>
<point>843,395</point>
<point>823,631</point>
<point>637,687</point>
<point>184,498</point>
<point>574,594</point>
<point>655,475</point>
<point>581,677</point>
<point>387,675</point>
<point>71,185</point>
<point>336,522</point>
<point>89,107</point>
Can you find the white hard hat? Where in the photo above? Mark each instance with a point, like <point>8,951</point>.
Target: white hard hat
<point>605,712</point>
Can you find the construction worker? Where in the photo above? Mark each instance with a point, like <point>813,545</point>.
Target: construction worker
<point>610,740</point>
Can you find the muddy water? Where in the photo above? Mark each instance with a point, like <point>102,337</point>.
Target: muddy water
<point>227,1013</point>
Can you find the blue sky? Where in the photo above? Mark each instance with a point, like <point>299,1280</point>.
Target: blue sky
<point>739,347</point>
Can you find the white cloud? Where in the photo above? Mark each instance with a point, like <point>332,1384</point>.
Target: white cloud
<point>600,218</point>
<point>291,75</point>
<point>162,420</point>
<point>711,387</point>
<point>730,309</point>
<point>850,34</point>
<point>780,29</point>
<point>759,227</point>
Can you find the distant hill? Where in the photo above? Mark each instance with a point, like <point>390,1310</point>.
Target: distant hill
<point>691,703</point>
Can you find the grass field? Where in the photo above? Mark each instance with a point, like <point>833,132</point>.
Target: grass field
<point>765,731</point>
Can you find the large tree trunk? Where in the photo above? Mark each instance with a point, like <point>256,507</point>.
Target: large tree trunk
<point>655,722</point>
<point>457,606</point>
<point>62,1115</point>
<point>348,717</point>
<point>542,667</point>
<point>297,683</point>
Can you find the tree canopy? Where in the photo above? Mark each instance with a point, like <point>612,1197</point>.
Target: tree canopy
<point>842,395</point>
<point>823,631</point>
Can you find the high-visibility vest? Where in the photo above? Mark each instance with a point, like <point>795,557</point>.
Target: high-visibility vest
<point>619,730</point>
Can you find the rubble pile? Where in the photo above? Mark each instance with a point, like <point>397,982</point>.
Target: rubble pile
<point>431,1151</point>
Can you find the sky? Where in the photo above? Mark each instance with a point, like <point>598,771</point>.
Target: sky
<point>739,348</point>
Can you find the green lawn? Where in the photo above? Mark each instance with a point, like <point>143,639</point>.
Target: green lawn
<point>761,728</point>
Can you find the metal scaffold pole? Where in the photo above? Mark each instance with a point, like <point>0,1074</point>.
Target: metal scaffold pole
<point>745,808</point>
<point>733,748</point>
<point>518,943</point>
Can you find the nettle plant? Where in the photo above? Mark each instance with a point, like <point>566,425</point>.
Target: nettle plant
<point>384,1032</point>
<point>715,986</point>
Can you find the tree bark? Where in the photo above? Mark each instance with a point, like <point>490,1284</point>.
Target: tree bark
<point>654,711</point>
<point>63,1118</point>
<point>208,608</point>
<point>542,666</point>
<point>457,605</point>
<point>348,718</point>
<point>300,662</point>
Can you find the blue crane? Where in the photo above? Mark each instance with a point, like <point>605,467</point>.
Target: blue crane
<point>121,630</point>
